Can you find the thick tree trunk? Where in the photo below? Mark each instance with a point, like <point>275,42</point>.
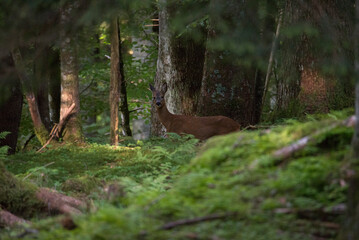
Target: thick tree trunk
<point>350,230</point>
<point>69,76</point>
<point>231,86</point>
<point>180,65</point>
<point>302,84</point>
<point>114,82</point>
<point>10,109</point>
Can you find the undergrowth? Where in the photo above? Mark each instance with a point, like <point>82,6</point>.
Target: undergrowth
<point>233,188</point>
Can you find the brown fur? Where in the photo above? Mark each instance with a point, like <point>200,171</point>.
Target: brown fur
<point>201,127</point>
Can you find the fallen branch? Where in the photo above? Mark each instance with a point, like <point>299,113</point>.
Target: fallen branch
<point>57,128</point>
<point>288,151</point>
<point>193,221</point>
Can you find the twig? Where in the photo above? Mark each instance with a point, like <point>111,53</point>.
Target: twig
<point>88,86</point>
<point>28,140</point>
<point>57,127</point>
<point>46,165</point>
<point>136,109</point>
<point>271,56</point>
<point>192,221</point>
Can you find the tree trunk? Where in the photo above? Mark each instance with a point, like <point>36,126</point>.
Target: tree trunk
<point>180,65</point>
<point>40,130</point>
<point>125,113</point>
<point>55,85</point>
<point>41,81</point>
<point>114,82</point>
<point>10,108</point>
<point>231,86</point>
<point>350,230</point>
<point>308,69</point>
<point>69,76</point>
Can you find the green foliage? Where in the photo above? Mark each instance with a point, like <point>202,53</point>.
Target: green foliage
<point>3,149</point>
<point>156,184</point>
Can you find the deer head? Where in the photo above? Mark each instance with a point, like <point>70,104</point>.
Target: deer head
<point>158,97</point>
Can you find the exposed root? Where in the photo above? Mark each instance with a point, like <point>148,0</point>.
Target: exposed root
<point>9,219</point>
<point>59,202</point>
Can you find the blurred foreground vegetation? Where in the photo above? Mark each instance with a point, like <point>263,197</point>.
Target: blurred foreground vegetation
<point>230,187</point>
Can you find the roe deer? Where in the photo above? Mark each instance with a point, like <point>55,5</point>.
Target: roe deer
<point>201,127</point>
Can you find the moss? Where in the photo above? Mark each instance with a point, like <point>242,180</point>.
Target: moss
<point>42,134</point>
<point>18,196</point>
<point>83,184</point>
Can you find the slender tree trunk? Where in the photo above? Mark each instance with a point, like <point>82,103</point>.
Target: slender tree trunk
<point>125,113</point>
<point>69,76</point>
<point>180,65</point>
<point>114,82</point>
<point>55,85</point>
<point>41,81</point>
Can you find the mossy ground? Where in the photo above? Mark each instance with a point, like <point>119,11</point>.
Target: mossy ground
<point>164,180</point>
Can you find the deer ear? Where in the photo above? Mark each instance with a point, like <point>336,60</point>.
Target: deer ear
<point>152,88</point>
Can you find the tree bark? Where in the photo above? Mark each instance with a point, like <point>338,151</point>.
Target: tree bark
<point>180,65</point>
<point>69,76</point>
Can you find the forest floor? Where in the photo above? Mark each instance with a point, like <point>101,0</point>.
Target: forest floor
<point>237,186</point>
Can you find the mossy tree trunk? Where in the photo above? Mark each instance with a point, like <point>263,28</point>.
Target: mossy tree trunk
<point>69,75</point>
<point>180,65</point>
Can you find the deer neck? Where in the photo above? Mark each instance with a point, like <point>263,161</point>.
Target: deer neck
<point>164,115</point>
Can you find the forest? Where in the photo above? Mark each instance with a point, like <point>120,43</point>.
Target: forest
<point>179,119</point>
